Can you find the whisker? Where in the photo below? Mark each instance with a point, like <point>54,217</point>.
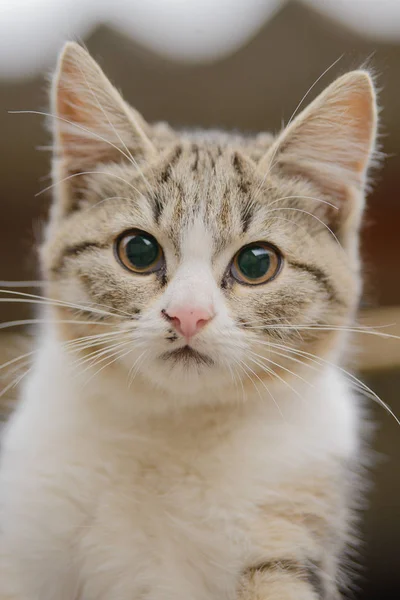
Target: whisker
<point>22,284</point>
<point>88,341</point>
<point>278,146</point>
<point>244,368</point>
<point>126,149</point>
<point>51,303</point>
<point>132,371</point>
<point>271,372</point>
<point>69,344</point>
<point>89,208</point>
<point>63,120</point>
<point>305,198</point>
<point>13,383</point>
<point>335,62</point>
<point>352,377</point>
<point>300,210</point>
<point>353,329</point>
<point>282,367</point>
<point>17,359</point>
<point>108,173</point>
<point>244,396</point>
<point>117,355</point>
<point>292,358</point>
<point>20,322</point>
<point>93,357</point>
<point>55,301</point>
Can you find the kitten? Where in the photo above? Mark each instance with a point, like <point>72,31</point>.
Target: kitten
<point>187,431</point>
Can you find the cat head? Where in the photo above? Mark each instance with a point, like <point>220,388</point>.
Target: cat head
<point>202,258</point>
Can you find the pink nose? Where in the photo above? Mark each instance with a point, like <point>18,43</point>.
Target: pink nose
<point>188,320</point>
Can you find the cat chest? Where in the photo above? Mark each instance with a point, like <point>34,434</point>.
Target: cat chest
<point>176,531</point>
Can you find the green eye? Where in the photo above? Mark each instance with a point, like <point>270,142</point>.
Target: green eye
<point>140,252</point>
<point>256,263</point>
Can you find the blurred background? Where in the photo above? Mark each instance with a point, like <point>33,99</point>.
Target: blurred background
<point>242,64</point>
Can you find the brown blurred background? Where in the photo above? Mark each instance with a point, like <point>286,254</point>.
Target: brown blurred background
<point>255,87</point>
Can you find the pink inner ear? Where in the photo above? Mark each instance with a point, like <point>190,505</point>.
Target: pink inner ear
<point>333,137</point>
<point>95,124</point>
<point>358,114</point>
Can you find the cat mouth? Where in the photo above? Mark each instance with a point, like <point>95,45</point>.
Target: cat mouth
<point>188,355</point>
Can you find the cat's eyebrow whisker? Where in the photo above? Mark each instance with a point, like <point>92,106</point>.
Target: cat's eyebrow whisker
<point>296,110</point>
<point>81,173</point>
<point>306,231</point>
<point>105,200</point>
<point>306,212</point>
<point>278,146</point>
<point>305,198</point>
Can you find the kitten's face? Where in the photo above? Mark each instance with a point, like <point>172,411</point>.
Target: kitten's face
<point>207,258</point>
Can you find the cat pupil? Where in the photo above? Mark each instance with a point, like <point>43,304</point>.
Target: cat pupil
<point>254,262</point>
<point>141,251</point>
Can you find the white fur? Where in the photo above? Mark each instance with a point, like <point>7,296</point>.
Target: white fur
<point>101,502</point>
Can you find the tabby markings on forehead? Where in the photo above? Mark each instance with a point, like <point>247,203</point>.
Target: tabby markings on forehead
<point>167,172</point>
<point>157,207</point>
<point>195,163</point>
<point>246,214</point>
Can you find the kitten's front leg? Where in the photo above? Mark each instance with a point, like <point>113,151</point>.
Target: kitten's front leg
<point>283,580</point>
<point>298,539</point>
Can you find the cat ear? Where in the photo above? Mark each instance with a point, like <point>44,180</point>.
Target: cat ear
<point>331,143</point>
<point>92,122</point>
